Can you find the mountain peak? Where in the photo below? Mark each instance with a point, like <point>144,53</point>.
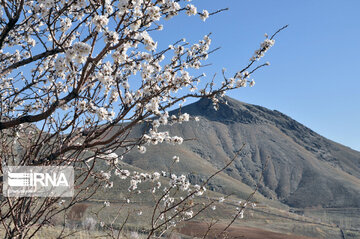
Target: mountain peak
<point>229,111</point>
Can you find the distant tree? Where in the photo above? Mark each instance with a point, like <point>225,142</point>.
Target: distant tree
<point>73,70</point>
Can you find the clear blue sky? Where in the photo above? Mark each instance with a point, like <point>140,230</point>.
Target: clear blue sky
<point>314,73</point>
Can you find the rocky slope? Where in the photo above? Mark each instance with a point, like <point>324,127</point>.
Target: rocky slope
<point>291,163</point>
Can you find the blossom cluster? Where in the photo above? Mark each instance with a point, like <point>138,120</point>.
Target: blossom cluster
<point>264,47</point>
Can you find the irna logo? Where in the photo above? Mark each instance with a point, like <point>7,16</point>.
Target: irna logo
<point>27,181</point>
<point>37,179</point>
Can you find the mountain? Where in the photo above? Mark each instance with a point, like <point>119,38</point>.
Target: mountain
<point>291,163</point>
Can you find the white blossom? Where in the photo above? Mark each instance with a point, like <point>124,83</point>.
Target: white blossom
<point>100,22</point>
<point>176,159</point>
<point>142,149</point>
<point>122,174</point>
<point>204,15</point>
<point>191,10</point>
<point>252,83</point>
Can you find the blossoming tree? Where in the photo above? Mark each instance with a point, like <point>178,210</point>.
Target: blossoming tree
<point>73,70</point>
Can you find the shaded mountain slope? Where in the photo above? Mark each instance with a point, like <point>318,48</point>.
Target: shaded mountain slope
<point>293,164</point>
